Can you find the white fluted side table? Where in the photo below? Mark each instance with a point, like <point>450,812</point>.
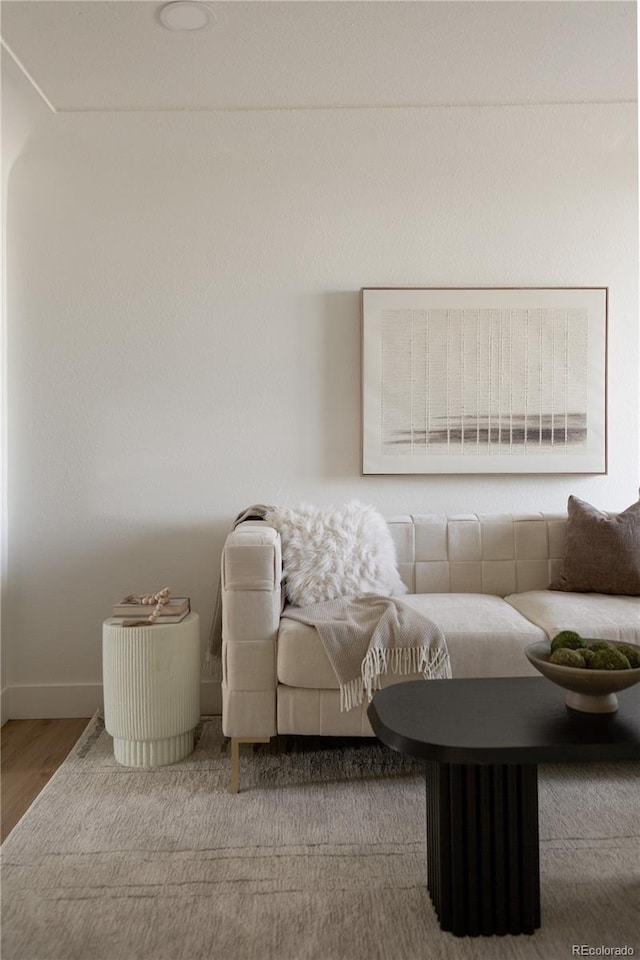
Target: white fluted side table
<point>151,682</point>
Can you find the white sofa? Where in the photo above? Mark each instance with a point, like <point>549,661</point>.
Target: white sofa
<point>482,579</point>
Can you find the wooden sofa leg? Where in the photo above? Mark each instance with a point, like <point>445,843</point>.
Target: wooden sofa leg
<point>234,785</point>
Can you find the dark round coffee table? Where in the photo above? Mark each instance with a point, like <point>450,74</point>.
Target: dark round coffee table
<point>482,740</point>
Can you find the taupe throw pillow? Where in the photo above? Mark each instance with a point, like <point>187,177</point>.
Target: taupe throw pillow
<point>602,553</point>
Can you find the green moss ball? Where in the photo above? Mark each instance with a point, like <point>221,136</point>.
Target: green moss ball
<point>566,657</point>
<point>609,659</point>
<point>601,645</point>
<point>567,640</point>
<point>631,653</point>
<point>588,654</point>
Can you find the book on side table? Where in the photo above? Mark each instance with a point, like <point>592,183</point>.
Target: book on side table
<point>143,619</point>
<point>173,607</point>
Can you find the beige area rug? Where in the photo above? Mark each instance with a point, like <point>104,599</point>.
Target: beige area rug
<point>320,857</point>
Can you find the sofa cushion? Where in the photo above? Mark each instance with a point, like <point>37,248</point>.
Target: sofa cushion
<point>302,661</point>
<point>602,552</point>
<point>485,636</point>
<point>589,614</point>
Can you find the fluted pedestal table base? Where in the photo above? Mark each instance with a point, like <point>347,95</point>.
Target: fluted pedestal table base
<point>151,678</point>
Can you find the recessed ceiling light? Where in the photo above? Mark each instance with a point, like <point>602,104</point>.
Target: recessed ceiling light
<point>185,15</point>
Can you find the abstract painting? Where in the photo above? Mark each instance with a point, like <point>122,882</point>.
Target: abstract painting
<point>480,380</point>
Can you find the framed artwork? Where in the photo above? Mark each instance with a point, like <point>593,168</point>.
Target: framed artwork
<point>480,380</point>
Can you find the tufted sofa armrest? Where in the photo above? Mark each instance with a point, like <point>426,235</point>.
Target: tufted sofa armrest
<point>251,576</point>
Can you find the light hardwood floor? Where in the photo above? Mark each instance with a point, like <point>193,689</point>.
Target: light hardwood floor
<point>32,751</point>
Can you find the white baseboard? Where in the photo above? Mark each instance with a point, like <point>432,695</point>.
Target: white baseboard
<point>4,705</point>
<point>49,701</point>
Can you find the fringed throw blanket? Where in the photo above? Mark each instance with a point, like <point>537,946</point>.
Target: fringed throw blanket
<point>367,637</point>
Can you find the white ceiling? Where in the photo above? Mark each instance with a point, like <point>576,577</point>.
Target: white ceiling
<point>258,54</point>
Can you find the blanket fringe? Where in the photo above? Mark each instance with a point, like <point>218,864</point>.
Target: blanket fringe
<point>432,663</point>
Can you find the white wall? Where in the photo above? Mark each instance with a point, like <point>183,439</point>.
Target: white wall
<point>184,331</point>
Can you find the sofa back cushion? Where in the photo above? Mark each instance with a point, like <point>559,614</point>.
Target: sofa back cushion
<point>496,554</point>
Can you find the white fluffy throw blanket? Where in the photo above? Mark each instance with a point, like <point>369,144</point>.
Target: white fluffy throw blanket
<point>369,636</point>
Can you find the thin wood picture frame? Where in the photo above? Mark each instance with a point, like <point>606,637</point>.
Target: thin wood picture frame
<point>509,380</point>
